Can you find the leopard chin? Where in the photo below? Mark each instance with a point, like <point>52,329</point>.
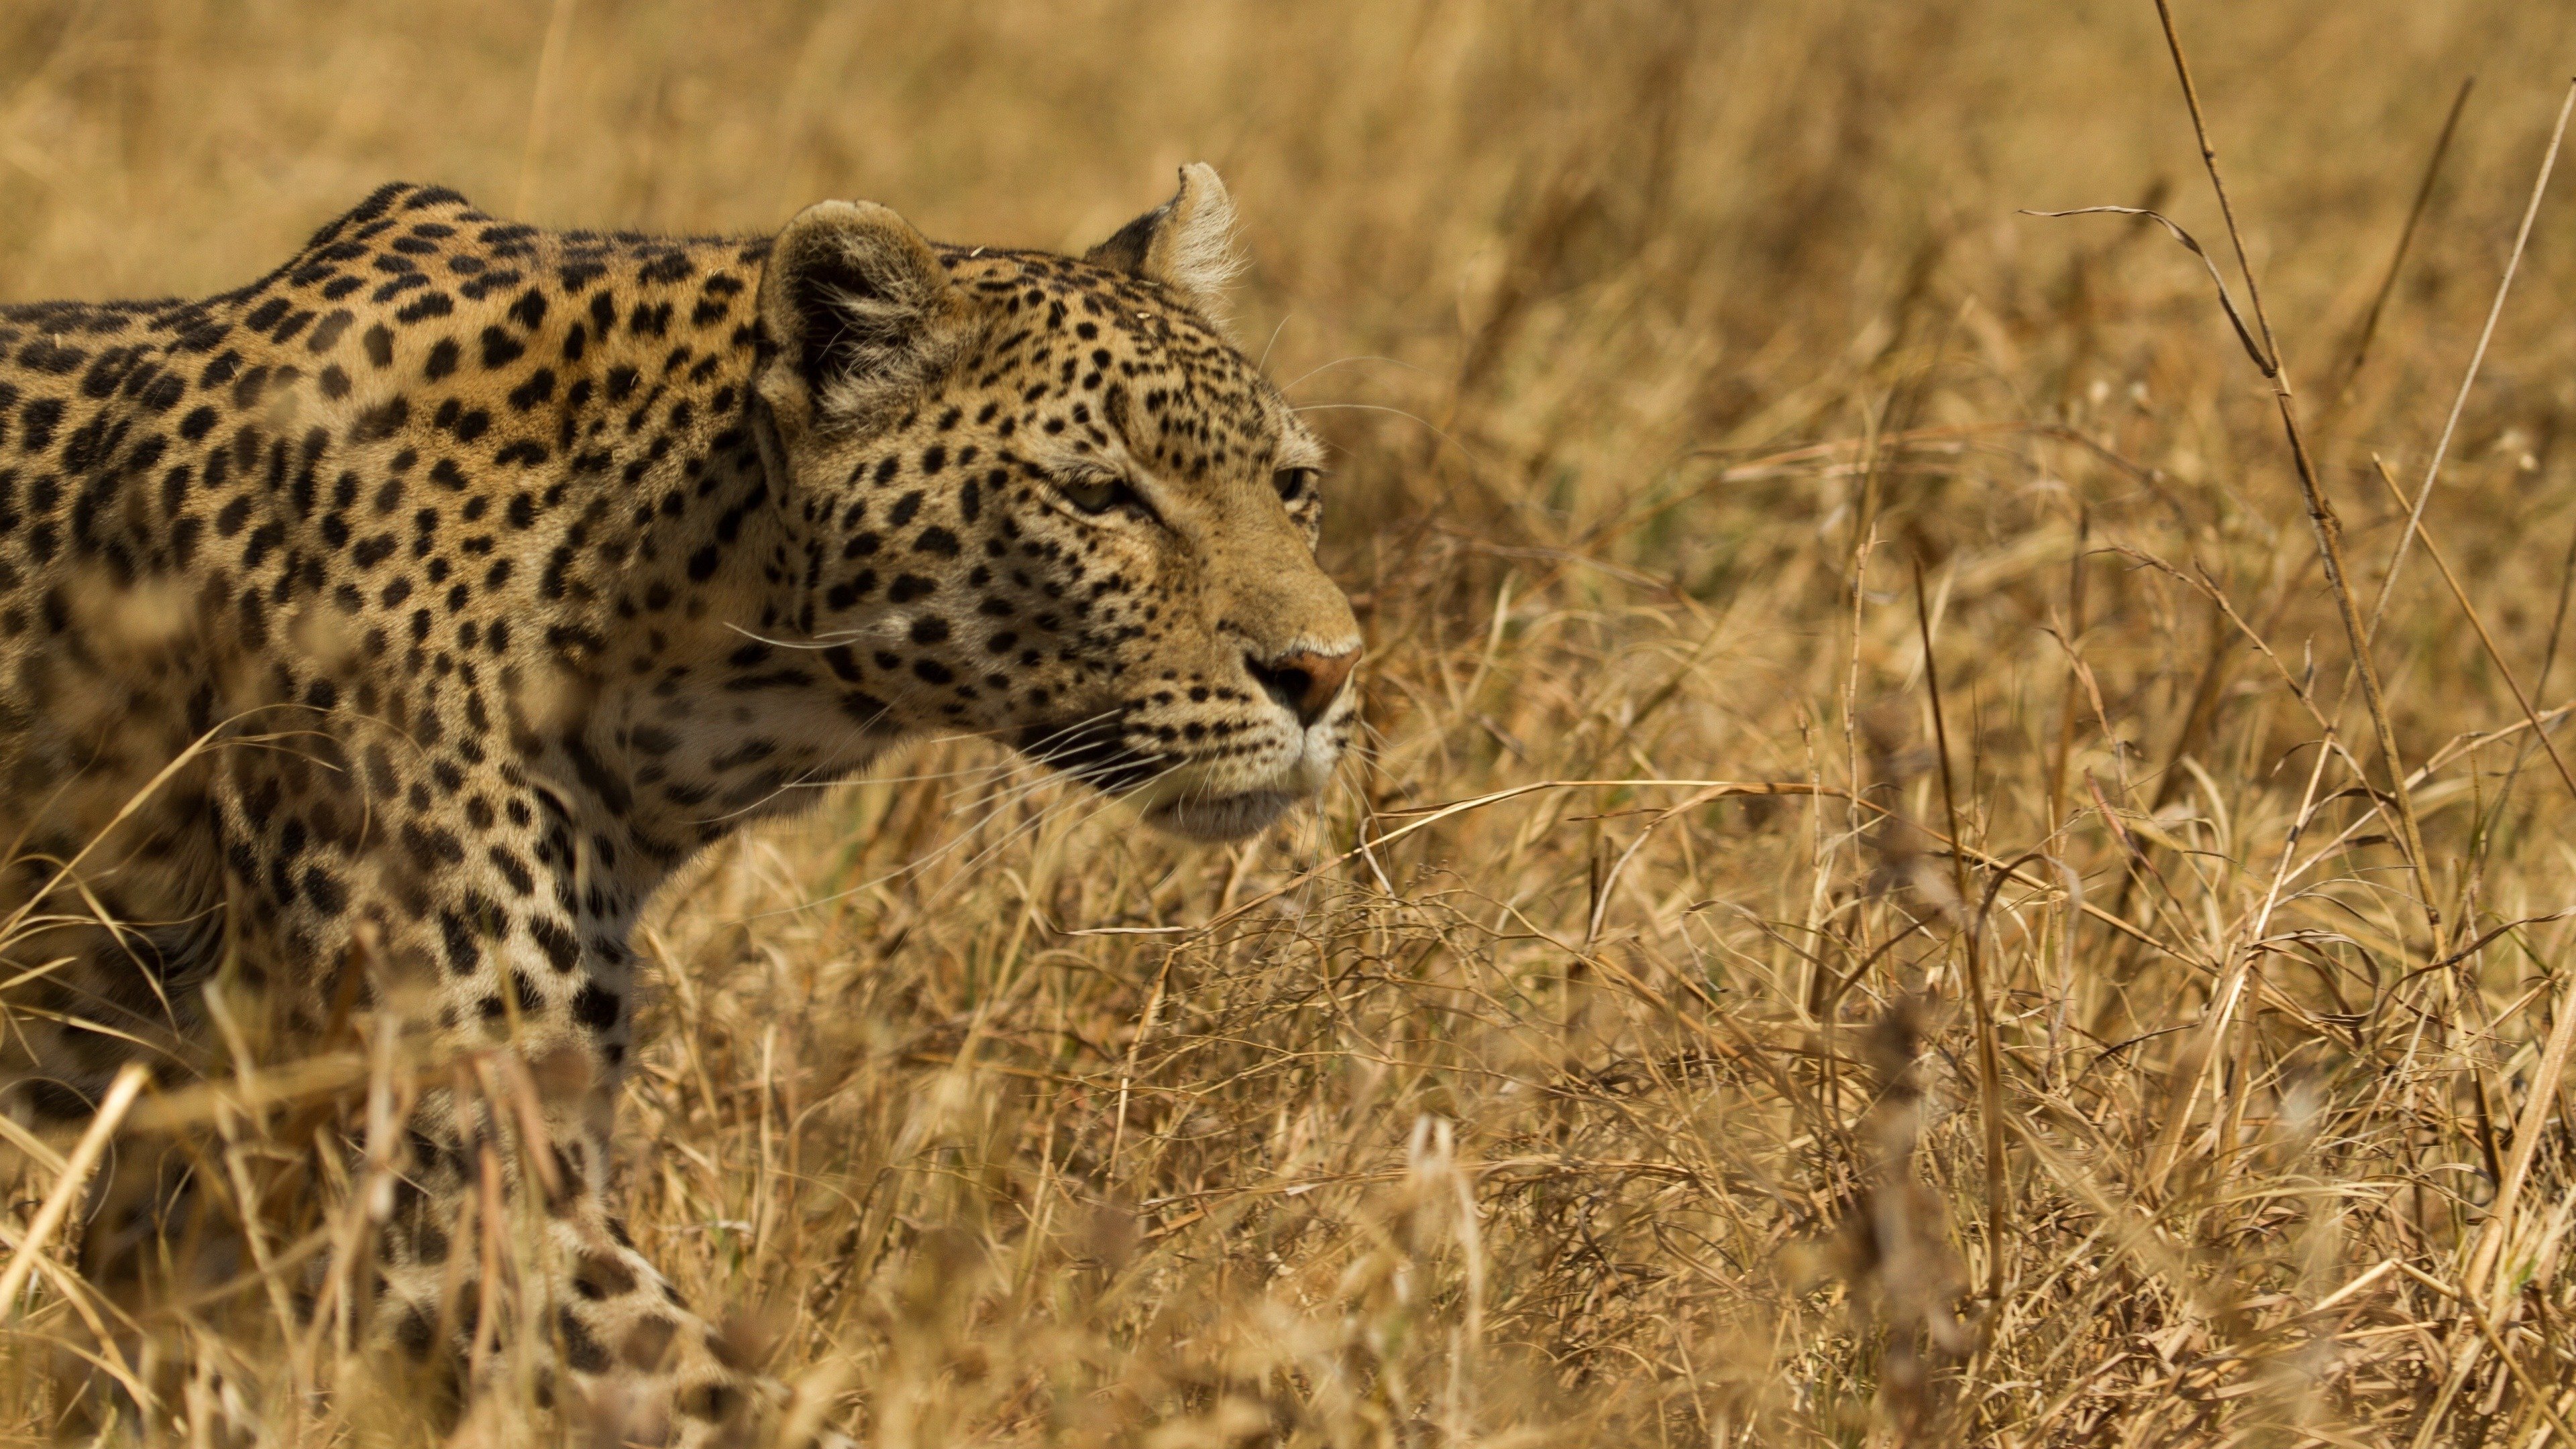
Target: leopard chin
<point>1220,819</point>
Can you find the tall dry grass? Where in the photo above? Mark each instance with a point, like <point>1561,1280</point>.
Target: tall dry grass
<point>1533,1091</point>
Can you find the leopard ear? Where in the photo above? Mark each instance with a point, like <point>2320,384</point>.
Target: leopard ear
<point>1187,243</point>
<point>861,314</point>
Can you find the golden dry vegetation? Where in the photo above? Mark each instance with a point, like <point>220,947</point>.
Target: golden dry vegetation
<point>1688,364</point>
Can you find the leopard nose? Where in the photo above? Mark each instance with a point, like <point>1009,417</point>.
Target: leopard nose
<point>1302,680</point>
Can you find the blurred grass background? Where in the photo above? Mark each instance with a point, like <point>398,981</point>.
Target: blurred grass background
<point>1661,342</point>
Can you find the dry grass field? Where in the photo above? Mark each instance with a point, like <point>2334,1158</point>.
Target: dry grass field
<point>2093,1036</point>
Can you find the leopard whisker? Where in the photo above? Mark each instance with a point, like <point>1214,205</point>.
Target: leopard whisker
<point>816,642</point>
<point>1289,387</point>
<point>1429,426</point>
<point>1103,802</point>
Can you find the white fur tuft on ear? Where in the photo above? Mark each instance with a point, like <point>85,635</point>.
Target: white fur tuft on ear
<point>1188,243</point>
<point>1198,254</point>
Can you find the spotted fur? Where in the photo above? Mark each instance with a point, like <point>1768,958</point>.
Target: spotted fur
<point>383,633</point>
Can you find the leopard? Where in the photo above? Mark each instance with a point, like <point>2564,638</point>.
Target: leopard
<point>378,638</point>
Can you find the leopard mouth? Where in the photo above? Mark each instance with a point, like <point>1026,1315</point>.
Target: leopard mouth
<point>1095,752</point>
<point>1159,785</point>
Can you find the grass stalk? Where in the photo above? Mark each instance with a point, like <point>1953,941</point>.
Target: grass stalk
<point>2321,515</point>
<point>68,1184</point>
<point>2368,331</point>
<point>1990,1090</point>
<point>2477,360</point>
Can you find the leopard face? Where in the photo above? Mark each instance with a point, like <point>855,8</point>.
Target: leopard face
<point>1048,500</point>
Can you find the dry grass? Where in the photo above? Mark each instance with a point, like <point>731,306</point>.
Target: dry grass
<point>1664,343</point>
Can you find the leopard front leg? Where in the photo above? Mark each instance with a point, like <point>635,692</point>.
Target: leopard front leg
<point>505,1272</point>
<point>502,1268</point>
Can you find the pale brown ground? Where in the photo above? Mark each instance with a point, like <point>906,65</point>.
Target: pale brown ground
<point>1661,342</point>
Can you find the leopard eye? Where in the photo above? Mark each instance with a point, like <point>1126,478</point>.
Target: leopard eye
<point>1097,493</point>
<point>1293,483</point>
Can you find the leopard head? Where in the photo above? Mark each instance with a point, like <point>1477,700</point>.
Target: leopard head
<point>1047,499</point>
